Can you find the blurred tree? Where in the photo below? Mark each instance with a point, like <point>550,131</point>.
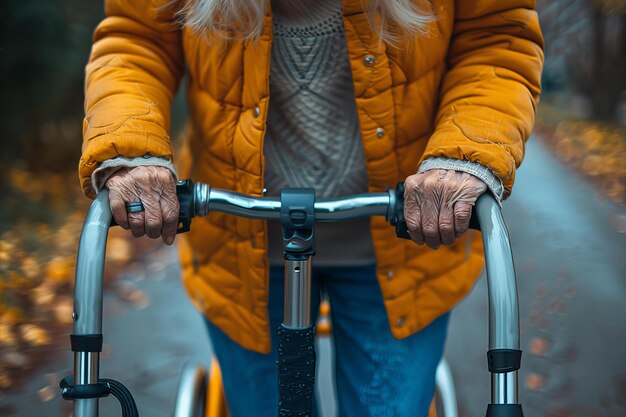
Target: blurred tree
<point>587,39</point>
<point>44,48</point>
<point>608,76</point>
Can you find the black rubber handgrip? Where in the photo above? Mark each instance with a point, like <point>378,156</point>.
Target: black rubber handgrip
<point>399,221</point>
<point>296,371</point>
<point>184,192</point>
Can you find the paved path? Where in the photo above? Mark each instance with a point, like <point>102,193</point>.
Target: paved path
<point>571,272</point>
<point>571,265</point>
<point>144,348</point>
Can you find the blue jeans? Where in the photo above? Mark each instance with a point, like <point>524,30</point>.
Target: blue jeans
<point>376,375</point>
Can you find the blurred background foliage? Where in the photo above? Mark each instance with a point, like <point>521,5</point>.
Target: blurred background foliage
<point>582,114</point>
<point>44,46</point>
<point>586,53</point>
<point>43,50</point>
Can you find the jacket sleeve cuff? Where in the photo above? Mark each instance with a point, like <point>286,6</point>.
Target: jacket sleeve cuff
<point>111,166</point>
<point>484,173</point>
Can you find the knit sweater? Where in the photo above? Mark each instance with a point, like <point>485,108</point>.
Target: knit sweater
<point>313,138</point>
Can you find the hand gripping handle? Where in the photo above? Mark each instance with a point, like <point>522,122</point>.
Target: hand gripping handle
<point>398,220</point>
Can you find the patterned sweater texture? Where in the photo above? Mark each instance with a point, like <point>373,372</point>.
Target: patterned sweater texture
<point>313,138</point>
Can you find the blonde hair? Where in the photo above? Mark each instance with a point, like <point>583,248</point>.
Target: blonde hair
<point>391,20</point>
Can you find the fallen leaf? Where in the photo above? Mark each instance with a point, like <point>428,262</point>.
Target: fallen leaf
<point>30,267</point>
<point>535,382</point>
<point>12,316</point>
<point>44,293</point>
<point>48,393</point>
<point>139,299</point>
<point>7,337</point>
<point>15,360</point>
<point>5,380</point>
<point>539,346</point>
<point>34,335</point>
<point>125,290</point>
<point>63,309</point>
<point>118,250</point>
<point>58,269</point>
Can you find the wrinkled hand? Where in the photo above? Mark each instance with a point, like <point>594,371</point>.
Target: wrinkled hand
<point>155,187</point>
<point>438,205</point>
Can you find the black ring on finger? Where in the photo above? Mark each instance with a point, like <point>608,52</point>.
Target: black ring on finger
<point>134,207</point>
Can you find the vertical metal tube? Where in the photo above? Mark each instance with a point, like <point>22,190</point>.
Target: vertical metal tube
<point>502,290</point>
<point>504,388</point>
<point>297,313</point>
<point>502,286</point>
<point>90,267</point>
<point>86,371</point>
<point>88,296</point>
<point>86,407</point>
<point>86,366</point>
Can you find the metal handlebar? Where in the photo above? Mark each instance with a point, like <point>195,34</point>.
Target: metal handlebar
<point>200,199</point>
<point>208,199</point>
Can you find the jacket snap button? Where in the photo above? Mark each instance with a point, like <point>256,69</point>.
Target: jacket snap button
<point>369,60</point>
<point>390,274</point>
<point>257,111</point>
<point>400,322</point>
<point>380,132</point>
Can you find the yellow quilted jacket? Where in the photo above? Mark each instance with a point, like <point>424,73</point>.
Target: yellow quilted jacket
<point>467,91</point>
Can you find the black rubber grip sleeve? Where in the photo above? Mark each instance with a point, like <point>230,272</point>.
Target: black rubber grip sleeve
<point>86,342</point>
<point>296,371</point>
<point>504,360</point>
<point>504,410</point>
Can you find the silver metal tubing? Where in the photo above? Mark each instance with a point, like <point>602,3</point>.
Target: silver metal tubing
<point>201,199</point>
<point>353,207</point>
<point>297,313</point>
<point>502,289</point>
<point>338,209</point>
<point>445,388</point>
<point>502,286</point>
<point>88,296</point>
<point>504,388</point>
<point>191,396</point>
<point>86,366</point>
<point>86,370</point>
<point>90,267</point>
<point>243,205</point>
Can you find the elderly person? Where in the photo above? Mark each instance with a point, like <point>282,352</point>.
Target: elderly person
<point>342,96</point>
